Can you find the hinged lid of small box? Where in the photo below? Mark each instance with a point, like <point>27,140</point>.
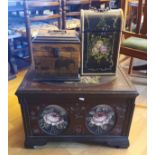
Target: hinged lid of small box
<point>57,36</point>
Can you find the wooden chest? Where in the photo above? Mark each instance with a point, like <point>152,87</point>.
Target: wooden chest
<point>56,55</point>
<point>101,34</point>
<point>97,109</point>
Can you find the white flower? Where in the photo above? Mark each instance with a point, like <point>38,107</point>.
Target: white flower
<point>99,43</point>
<point>95,50</point>
<point>103,49</point>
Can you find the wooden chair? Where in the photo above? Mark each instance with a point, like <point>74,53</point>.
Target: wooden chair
<point>42,5</point>
<point>134,44</point>
<point>71,5</point>
<point>33,5</point>
<point>72,9</point>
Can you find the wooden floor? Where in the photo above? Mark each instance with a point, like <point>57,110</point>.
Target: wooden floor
<point>16,134</point>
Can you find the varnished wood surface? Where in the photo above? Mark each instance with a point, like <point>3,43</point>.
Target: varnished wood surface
<point>77,2</point>
<point>133,53</point>
<point>45,17</point>
<point>73,13</point>
<point>42,4</point>
<point>118,84</point>
<point>16,134</point>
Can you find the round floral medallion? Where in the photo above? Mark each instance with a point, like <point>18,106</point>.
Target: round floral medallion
<point>100,119</point>
<point>53,120</point>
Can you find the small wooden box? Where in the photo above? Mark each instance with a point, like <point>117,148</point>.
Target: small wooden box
<point>96,109</point>
<point>56,55</point>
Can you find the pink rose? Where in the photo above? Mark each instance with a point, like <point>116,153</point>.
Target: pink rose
<point>103,49</point>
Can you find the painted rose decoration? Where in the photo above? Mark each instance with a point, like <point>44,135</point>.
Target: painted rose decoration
<point>99,51</point>
<point>100,119</point>
<point>53,120</point>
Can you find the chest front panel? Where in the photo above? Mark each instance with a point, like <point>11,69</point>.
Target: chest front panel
<point>76,114</point>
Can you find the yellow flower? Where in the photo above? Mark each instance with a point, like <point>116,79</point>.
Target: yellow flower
<point>95,50</point>
<point>99,43</point>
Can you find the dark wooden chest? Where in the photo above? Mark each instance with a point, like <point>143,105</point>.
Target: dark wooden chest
<point>98,109</point>
<point>56,55</point>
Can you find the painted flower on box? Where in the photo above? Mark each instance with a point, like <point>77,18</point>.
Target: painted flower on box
<point>53,120</point>
<point>101,119</point>
<point>99,51</point>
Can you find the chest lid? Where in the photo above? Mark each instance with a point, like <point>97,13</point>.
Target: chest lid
<point>57,36</point>
<point>119,84</point>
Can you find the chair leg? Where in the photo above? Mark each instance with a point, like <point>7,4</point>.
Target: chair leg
<point>130,66</point>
